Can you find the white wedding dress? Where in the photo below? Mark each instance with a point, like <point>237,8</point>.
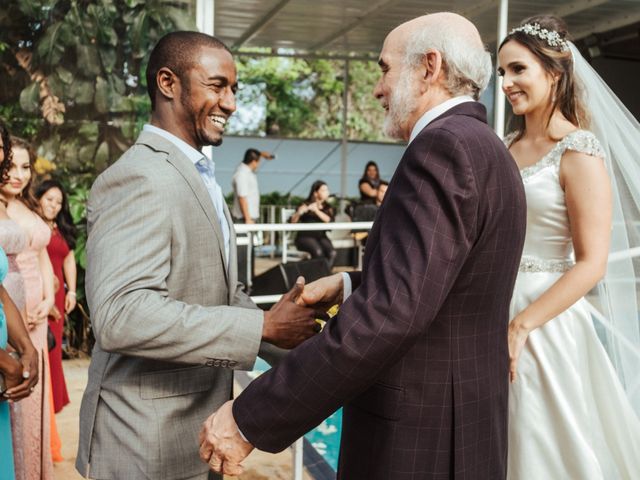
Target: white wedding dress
<point>569,417</point>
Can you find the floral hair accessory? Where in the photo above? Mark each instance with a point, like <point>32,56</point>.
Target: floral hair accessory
<point>551,37</point>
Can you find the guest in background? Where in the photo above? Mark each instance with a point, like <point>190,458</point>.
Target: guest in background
<point>315,209</point>
<point>369,183</point>
<point>366,211</point>
<point>55,211</point>
<point>22,373</point>
<point>33,416</point>
<point>382,190</point>
<point>246,194</point>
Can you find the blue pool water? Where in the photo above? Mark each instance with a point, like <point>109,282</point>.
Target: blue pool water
<point>325,438</point>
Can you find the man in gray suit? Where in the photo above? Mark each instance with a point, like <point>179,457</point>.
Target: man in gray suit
<point>170,320</point>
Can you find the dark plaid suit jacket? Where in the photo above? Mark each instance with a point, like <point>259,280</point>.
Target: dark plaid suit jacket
<point>418,353</point>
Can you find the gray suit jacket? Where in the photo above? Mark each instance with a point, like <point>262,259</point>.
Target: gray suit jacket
<point>170,320</point>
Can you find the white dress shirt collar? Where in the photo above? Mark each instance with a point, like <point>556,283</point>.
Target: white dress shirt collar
<point>430,115</point>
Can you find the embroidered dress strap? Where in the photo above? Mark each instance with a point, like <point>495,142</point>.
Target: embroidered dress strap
<point>583,141</point>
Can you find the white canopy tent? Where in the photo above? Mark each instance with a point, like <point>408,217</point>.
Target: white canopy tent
<point>355,29</point>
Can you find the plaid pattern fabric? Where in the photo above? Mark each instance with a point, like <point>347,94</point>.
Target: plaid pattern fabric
<point>169,319</point>
<point>418,354</point>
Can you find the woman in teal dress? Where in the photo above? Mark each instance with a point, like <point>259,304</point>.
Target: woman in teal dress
<point>7,365</point>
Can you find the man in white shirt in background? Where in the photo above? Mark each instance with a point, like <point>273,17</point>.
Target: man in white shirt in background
<point>246,194</point>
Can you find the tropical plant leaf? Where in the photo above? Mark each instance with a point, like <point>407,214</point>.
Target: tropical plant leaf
<point>65,75</point>
<point>30,98</point>
<point>49,47</point>
<point>82,92</point>
<point>88,60</point>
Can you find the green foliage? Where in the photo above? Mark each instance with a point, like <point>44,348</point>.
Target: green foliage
<point>280,199</point>
<point>303,98</point>
<point>91,55</point>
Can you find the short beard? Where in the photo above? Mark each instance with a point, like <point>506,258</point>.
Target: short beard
<point>185,101</point>
<point>401,106</point>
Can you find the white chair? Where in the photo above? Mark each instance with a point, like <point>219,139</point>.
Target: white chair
<point>289,251</point>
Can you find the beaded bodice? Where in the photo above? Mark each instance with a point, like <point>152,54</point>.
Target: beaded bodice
<point>548,244</point>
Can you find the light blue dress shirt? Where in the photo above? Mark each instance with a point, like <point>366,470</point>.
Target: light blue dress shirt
<point>207,169</point>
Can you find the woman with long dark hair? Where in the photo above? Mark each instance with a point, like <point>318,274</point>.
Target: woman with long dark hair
<point>369,182</point>
<point>19,375</point>
<point>569,414</point>
<point>54,208</point>
<point>315,209</point>
<point>32,420</point>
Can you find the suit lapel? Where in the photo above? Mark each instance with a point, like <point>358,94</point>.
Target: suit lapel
<point>188,171</point>
<point>232,272</point>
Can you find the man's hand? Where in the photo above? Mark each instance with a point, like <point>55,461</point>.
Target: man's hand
<point>324,293</point>
<point>289,323</point>
<point>221,445</point>
<point>28,379</point>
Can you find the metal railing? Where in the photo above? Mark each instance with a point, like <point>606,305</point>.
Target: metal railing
<point>252,231</point>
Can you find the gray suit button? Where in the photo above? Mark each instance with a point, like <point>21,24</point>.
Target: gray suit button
<point>209,362</point>
<point>224,364</point>
<point>216,363</point>
<point>232,363</point>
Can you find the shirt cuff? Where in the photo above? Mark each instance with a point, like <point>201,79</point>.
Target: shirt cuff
<point>242,435</point>
<point>346,286</point>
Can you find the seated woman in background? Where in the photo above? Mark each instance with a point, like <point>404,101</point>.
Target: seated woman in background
<point>315,209</point>
<point>369,183</point>
<point>55,211</point>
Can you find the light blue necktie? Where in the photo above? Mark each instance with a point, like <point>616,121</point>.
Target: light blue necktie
<point>207,169</point>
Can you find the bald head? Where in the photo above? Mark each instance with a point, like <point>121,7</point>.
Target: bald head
<point>452,23</point>
<point>467,64</point>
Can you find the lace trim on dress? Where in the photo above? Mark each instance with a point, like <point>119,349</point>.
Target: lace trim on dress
<point>581,141</point>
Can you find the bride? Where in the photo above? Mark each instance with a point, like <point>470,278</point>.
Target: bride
<point>571,413</point>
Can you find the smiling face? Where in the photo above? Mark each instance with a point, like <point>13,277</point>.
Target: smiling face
<point>527,85</point>
<point>207,97</point>
<point>51,203</point>
<point>19,173</point>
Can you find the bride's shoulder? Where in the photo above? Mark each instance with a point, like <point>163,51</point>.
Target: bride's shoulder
<point>583,141</point>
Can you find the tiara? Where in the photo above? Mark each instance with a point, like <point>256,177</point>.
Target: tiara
<point>552,37</point>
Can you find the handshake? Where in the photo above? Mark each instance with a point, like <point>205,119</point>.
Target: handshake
<point>288,323</point>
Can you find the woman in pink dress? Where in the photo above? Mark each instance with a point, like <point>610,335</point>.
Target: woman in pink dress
<point>32,440</point>
<point>55,211</point>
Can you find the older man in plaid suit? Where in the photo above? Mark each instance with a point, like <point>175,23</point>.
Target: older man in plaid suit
<point>418,353</point>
